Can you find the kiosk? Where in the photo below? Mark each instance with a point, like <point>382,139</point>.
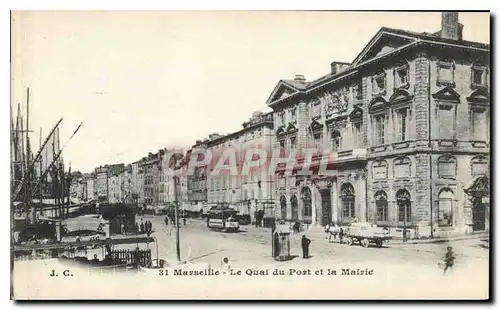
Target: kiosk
<point>281,243</point>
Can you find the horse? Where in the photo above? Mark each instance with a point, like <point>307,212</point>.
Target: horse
<point>335,231</point>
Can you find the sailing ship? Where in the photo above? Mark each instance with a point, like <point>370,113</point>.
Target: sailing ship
<point>40,202</point>
<point>39,182</point>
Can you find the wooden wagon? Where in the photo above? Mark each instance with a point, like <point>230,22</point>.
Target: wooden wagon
<point>366,234</point>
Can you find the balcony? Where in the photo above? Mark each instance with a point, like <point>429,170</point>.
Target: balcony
<point>380,148</point>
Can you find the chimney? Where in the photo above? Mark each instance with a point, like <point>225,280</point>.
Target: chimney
<point>338,67</point>
<point>300,78</point>
<point>450,28</point>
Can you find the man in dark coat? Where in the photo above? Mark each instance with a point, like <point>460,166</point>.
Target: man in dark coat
<point>142,227</point>
<point>305,246</point>
<point>449,259</point>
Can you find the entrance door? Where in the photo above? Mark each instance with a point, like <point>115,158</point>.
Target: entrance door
<point>479,217</point>
<point>326,207</point>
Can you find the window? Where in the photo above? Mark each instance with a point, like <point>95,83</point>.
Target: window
<point>401,76</point>
<point>446,72</point>
<point>293,143</point>
<point>445,208</point>
<point>404,205</point>
<point>479,124</point>
<point>306,198</point>
<point>336,141</point>
<point>316,109</point>
<point>348,208</point>
<point>281,118</point>
<point>357,92</point>
<point>378,84</point>
<point>379,129</point>
<point>379,170</point>
<point>479,76</point>
<point>402,167</point>
<point>381,206</point>
<point>446,122</point>
<point>293,114</point>
<point>318,139</point>
<point>402,124</point>
<point>358,138</point>
<point>447,167</point>
<point>479,166</point>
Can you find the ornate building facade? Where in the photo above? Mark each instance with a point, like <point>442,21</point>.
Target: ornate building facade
<point>406,129</point>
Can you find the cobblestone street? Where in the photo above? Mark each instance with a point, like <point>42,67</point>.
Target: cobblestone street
<point>251,248</point>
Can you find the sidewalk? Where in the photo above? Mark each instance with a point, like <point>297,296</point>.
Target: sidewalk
<point>440,240</point>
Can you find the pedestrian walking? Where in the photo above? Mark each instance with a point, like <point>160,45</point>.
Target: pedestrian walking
<point>341,234</point>
<point>449,259</point>
<point>225,265</point>
<point>184,221</point>
<point>305,246</point>
<point>166,220</point>
<point>142,226</point>
<point>136,226</point>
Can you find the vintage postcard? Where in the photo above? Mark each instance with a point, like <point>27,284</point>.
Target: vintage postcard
<point>321,155</point>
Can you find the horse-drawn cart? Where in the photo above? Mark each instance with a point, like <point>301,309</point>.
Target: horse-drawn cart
<point>366,234</point>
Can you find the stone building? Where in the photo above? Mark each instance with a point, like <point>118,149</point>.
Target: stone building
<point>166,184</point>
<point>248,192</point>
<point>137,182</point>
<point>197,179</point>
<point>101,183</point>
<point>126,184</point>
<point>151,167</point>
<point>91,186</point>
<point>406,129</point>
<point>114,186</point>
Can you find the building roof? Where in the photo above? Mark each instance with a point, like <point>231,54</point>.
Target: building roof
<point>371,52</point>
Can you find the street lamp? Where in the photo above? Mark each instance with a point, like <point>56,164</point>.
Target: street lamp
<point>177,243</point>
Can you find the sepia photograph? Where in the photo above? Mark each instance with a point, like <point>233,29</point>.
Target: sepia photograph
<point>263,155</point>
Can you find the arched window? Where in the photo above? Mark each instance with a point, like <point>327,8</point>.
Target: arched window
<point>347,195</point>
<point>307,200</point>
<point>447,167</point>
<point>445,208</point>
<point>381,206</point>
<point>336,140</point>
<point>283,207</point>
<point>403,200</point>
<point>295,207</point>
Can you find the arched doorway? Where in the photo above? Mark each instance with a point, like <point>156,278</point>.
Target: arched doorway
<point>348,206</point>
<point>403,200</point>
<point>479,192</point>
<point>305,195</point>
<point>445,208</point>
<point>295,207</point>
<point>381,205</point>
<point>283,207</point>
<point>326,208</point>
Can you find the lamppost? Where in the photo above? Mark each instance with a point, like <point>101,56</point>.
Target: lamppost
<point>177,242</point>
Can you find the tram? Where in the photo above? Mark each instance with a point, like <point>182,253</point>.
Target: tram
<point>223,218</point>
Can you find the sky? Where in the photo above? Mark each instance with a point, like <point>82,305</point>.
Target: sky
<point>141,81</point>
